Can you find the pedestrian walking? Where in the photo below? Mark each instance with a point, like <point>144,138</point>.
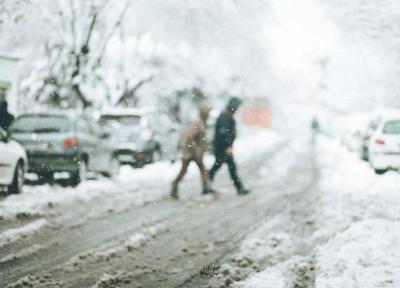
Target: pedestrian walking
<point>6,118</point>
<point>225,134</point>
<point>192,147</point>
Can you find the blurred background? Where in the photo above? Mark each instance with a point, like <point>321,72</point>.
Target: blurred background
<point>100,91</point>
<point>315,57</point>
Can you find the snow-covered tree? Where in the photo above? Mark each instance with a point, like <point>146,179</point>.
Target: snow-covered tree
<point>104,52</point>
<point>68,73</point>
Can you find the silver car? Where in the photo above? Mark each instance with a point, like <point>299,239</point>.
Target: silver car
<point>64,142</point>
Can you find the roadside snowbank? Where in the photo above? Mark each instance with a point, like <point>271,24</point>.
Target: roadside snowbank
<point>356,237</point>
<point>367,255</point>
<point>360,213</point>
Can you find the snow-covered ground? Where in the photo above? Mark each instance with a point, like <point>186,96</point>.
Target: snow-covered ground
<point>361,216</point>
<point>356,239</point>
<point>333,224</point>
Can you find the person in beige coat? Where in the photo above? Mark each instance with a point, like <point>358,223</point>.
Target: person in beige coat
<point>192,146</point>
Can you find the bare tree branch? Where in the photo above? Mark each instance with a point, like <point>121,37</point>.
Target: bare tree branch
<point>85,44</point>
<point>73,25</point>
<point>129,94</point>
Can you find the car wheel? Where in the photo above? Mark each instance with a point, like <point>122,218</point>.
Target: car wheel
<point>18,180</point>
<point>80,175</point>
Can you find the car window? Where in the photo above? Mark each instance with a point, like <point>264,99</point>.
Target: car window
<point>40,124</point>
<point>116,122</point>
<point>392,127</point>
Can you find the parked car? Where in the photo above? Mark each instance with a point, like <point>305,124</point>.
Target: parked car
<point>13,162</point>
<point>64,142</point>
<point>370,130</point>
<point>132,135</point>
<point>384,144</point>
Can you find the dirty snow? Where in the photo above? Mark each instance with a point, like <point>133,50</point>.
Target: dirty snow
<point>26,252</point>
<point>13,235</point>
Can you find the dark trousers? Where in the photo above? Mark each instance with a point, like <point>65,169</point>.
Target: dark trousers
<point>220,158</point>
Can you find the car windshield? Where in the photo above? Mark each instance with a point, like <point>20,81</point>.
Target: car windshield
<point>40,124</point>
<point>117,122</point>
<point>392,127</point>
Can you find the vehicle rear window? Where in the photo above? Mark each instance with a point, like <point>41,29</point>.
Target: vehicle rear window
<point>118,121</point>
<point>40,124</point>
<point>392,127</point>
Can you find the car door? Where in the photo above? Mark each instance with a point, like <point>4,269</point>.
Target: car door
<point>8,159</point>
<point>103,147</point>
<point>93,145</point>
<point>87,143</point>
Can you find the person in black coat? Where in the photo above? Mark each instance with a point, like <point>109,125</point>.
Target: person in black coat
<point>6,118</point>
<point>225,135</point>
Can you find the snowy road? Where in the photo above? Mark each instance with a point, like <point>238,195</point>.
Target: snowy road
<point>176,239</point>
<point>278,236</point>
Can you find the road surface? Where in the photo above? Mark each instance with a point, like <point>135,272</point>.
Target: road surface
<point>166,243</point>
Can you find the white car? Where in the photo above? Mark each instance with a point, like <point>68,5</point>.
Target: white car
<point>12,164</point>
<point>384,144</point>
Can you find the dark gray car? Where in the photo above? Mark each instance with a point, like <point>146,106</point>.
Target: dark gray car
<point>64,142</point>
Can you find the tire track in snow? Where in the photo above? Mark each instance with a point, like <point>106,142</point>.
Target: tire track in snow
<point>13,235</point>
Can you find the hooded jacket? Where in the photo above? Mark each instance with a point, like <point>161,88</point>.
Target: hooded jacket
<point>225,132</point>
